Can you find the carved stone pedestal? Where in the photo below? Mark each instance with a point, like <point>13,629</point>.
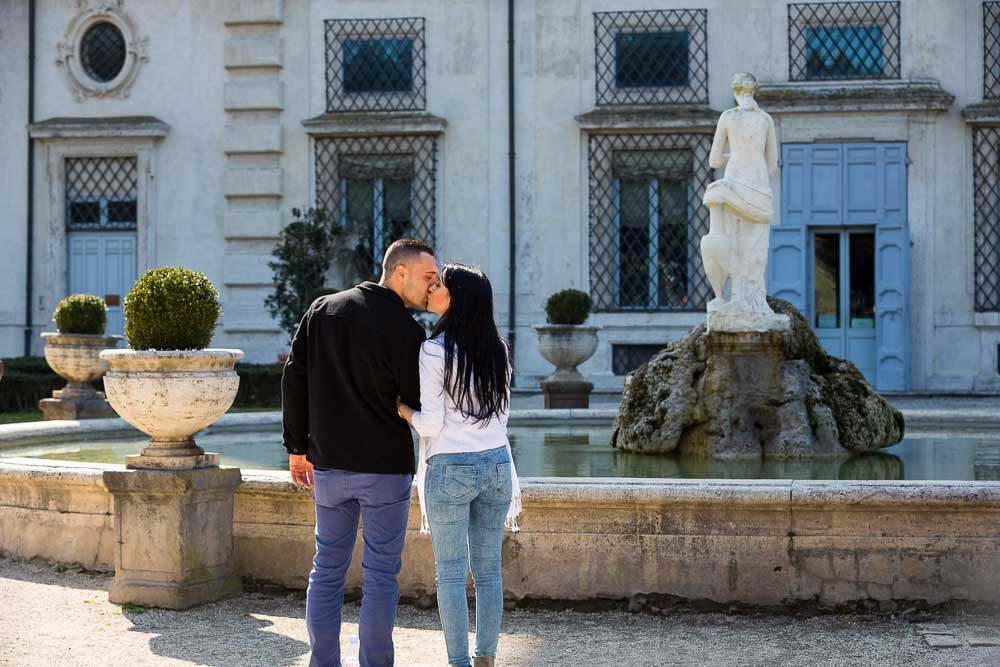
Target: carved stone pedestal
<point>566,394</point>
<point>76,401</point>
<point>741,375</point>
<point>174,533</point>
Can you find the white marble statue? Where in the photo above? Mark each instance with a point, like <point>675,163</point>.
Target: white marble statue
<point>735,248</point>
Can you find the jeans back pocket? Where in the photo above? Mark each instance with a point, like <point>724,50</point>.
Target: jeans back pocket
<point>460,481</point>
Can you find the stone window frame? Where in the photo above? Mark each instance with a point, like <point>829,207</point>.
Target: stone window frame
<point>607,25</point>
<point>991,50</point>
<point>804,15</point>
<point>328,182</point>
<point>69,60</point>
<point>337,31</point>
<point>55,250</point>
<point>603,264</point>
<point>986,214</point>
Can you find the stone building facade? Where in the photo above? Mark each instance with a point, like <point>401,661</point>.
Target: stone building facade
<point>185,132</point>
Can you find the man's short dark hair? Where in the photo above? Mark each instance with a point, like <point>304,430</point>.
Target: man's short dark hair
<point>405,252</point>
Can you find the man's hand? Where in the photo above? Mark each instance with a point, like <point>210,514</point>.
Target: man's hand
<point>301,469</point>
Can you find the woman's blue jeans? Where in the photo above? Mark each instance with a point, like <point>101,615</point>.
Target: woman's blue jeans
<point>467,499</point>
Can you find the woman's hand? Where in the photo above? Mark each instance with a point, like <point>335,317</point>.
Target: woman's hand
<point>404,411</point>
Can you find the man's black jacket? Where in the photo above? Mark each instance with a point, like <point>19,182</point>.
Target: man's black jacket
<point>353,354</point>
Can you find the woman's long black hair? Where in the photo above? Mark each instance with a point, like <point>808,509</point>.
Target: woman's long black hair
<point>478,383</point>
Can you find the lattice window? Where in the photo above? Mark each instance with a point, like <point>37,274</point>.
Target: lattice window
<point>843,40</point>
<point>986,174</point>
<point>627,358</point>
<point>101,194</point>
<point>380,189</point>
<point>102,51</point>
<point>375,65</point>
<point>991,50</point>
<point>652,57</point>
<point>647,220</point>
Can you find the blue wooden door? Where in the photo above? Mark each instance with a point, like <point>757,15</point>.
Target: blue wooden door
<point>103,263</point>
<point>853,190</point>
<point>842,304</point>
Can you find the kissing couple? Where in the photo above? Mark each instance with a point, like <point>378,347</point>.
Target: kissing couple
<point>358,375</point>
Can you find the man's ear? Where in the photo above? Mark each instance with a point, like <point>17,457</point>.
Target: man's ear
<point>400,272</point>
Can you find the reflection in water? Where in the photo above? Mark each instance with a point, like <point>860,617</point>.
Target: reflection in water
<point>586,452</point>
<point>874,465</point>
<point>986,462</point>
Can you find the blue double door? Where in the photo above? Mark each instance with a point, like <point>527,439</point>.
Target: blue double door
<point>103,263</point>
<point>841,252</point>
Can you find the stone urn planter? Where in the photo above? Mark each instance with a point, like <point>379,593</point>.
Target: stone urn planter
<point>170,396</point>
<point>173,502</point>
<point>566,344</point>
<point>77,359</point>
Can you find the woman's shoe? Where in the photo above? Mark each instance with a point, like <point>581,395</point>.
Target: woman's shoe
<point>485,661</point>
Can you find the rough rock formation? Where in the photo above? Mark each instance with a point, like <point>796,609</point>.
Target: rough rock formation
<point>747,395</point>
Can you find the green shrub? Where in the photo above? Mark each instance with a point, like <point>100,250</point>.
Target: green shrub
<point>302,256</point>
<point>569,306</point>
<point>260,386</point>
<point>27,380</point>
<point>171,308</point>
<point>81,314</point>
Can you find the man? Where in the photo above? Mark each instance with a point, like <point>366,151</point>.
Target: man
<point>353,354</point>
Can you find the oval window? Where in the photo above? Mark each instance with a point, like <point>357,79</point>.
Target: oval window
<point>102,51</point>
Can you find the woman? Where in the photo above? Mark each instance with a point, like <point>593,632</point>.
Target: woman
<point>465,476</point>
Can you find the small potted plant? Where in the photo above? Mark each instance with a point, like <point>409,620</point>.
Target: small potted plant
<point>566,343</point>
<point>74,353</point>
<point>168,385</point>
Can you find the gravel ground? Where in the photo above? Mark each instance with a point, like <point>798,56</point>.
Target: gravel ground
<point>52,618</point>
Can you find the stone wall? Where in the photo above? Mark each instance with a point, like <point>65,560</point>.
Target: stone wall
<point>761,542</point>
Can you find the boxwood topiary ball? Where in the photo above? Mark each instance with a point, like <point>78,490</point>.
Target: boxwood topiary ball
<point>81,314</point>
<point>570,306</point>
<point>171,308</point>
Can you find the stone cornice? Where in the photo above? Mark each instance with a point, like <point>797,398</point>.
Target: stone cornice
<point>607,119</point>
<point>982,113</point>
<point>146,127</point>
<point>901,96</point>
<point>374,123</point>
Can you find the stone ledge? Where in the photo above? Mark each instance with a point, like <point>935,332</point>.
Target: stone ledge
<point>374,123</point>
<point>98,128</point>
<point>982,113</point>
<point>252,182</point>
<point>252,223</point>
<point>825,97</point>
<point>265,95</point>
<point>239,12</point>
<point>253,52</point>
<point>620,118</point>
<point>252,138</point>
<point>247,270</point>
<point>987,319</point>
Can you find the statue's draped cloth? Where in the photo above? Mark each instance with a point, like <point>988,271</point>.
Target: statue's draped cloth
<point>747,200</point>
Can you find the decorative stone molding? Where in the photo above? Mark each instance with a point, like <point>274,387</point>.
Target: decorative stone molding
<point>99,128</point>
<point>982,113</point>
<point>254,12</point>
<point>648,118</point>
<point>906,96</point>
<point>82,85</point>
<point>374,124</point>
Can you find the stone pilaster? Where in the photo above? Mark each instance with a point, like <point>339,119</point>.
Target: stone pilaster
<point>253,141</point>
